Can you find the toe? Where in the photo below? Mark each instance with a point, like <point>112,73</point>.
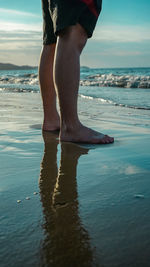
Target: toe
<point>108,139</point>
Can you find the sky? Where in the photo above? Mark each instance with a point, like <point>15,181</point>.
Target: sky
<point>121,37</point>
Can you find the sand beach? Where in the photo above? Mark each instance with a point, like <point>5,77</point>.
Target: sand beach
<point>73,204</point>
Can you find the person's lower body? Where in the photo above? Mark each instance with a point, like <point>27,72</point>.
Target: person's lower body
<point>60,66</point>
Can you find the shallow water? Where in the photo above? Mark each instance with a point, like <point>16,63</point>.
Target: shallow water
<point>92,206</point>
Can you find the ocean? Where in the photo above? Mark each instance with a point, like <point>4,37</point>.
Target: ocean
<point>99,193</point>
<point>124,87</point>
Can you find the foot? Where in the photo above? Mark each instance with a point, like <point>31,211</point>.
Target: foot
<point>51,124</point>
<point>83,134</point>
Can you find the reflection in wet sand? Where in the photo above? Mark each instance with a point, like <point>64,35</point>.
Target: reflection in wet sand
<point>66,242</point>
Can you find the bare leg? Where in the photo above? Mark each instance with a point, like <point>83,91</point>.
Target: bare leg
<point>67,75</point>
<point>51,117</point>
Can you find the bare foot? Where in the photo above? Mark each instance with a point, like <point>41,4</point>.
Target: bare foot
<point>51,124</point>
<point>83,134</point>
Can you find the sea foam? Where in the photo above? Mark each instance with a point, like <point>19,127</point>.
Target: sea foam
<point>101,80</point>
<point>112,80</point>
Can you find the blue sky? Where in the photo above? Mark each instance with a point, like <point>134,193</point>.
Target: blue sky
<point>121,38</point>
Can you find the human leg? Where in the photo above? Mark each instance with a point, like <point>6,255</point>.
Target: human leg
<point>66,76</point>
<point>51,116</point>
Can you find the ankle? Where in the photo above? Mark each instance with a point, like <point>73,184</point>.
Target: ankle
<point>51,123</point>
<point>69,127</point>
<point>50,113</point>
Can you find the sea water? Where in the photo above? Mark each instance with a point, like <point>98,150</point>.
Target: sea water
<point>125,87</point>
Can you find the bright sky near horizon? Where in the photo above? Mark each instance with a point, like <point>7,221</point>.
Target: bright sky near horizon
<point>121,38</point>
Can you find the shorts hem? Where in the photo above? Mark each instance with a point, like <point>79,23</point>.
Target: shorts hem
<point>88,30</point>
<point>83,19</point>
<point>49,42</point>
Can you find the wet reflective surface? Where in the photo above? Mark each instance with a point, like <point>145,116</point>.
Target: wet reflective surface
<point>66,243</point>
<point>78,206</point>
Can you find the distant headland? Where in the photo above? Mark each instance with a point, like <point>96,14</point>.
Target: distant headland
<point>9,66</point>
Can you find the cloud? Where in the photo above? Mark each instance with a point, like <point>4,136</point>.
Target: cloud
<point>20,43</point>
<point>122,34</point>
<point>120,53</point>
<point>20,40</point>
<point>23,27</point>
<point>16,36</point>
<point>12,12</point>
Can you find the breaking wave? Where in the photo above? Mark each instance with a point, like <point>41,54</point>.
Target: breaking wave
<point>100,80</point>
<point>112,80</point>
<point>29,78</point>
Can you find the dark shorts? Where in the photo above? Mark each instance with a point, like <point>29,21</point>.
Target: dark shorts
<point>60,14</point>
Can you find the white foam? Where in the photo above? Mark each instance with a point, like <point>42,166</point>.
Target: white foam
<point>111,80</point>
<point>31,79</point>
<point>102,80</point>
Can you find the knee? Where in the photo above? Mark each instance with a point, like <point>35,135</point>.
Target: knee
<point>75,36</point>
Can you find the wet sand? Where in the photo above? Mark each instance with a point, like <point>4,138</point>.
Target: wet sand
<point>78,205</point>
